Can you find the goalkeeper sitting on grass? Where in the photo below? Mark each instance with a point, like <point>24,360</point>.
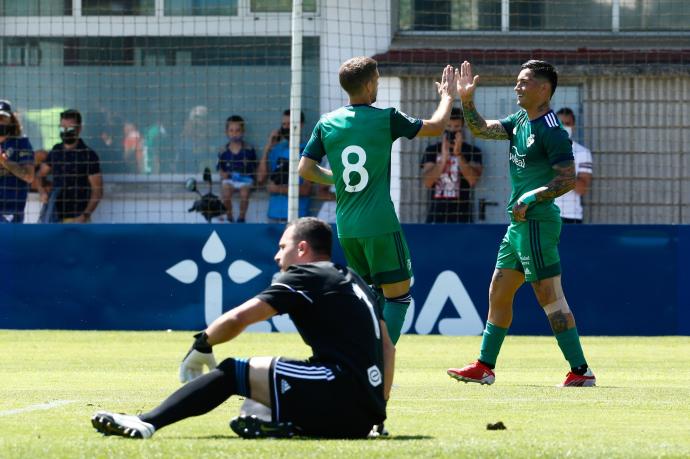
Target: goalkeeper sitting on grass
<point>339,392</point>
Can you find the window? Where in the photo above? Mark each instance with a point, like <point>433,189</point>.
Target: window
<point>564,15</point>
<point>280,6</point>
<point>20,53</point>
<point>100,51</point>
<point>35,7</point>
<point>201,7</point>
<point>443,15</point>
<point>648,15</point>
<point>118,7</point>
<point>544,15</point>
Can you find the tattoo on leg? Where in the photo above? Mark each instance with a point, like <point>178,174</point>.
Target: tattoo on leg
<point>558,321</point>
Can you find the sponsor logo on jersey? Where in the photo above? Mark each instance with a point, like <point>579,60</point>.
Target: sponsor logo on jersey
<point>516,157</point>
<point>374,375</point>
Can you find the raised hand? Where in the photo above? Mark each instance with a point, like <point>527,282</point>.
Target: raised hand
<point>467,82</point>
<point>448,83</point>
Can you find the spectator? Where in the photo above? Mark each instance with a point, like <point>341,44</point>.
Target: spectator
<point>104,135</point>
<point>77,186</point>
<point>237,167</point>
<point>16,166</point>
<point>195,152</point>
<point>276,159</point>
<point>155,137</point>
<point>133,149</point>
<point>451,168</point>
<point>571,202</point>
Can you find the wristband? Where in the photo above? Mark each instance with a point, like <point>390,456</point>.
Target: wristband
<point>527,200</point>
<point>201,343</point>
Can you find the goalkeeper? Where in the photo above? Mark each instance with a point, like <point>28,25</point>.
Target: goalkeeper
<point>339,392</point>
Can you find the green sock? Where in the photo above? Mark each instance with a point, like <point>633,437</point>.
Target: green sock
<point>569,342</point>
<point>394,315</point>
<point>491,343</point>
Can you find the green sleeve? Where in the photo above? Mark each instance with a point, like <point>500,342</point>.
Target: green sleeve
<point>403,125</point>
<point>314,149</point>
<point>508,124</point>
<point>558,146</point>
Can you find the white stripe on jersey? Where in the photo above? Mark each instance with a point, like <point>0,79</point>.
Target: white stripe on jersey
<point>293,290</point>
<point>551,120</point>
<point>326,376</point>
<point>299,372</point>
<point>305,367</point>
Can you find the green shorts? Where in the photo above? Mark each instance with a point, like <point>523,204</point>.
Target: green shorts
<point>531,247</point>
<point>383,259</point>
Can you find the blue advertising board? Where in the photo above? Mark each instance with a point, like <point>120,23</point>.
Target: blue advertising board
<point>619,280</point>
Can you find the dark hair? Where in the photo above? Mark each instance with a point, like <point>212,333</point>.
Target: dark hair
<point>16,127</point>
<point>301,115</point>
<point>234,119</point>
<point>355,73</point>
<point>71,114</point>
<point>456,114</point>
<point>567,112</point>
<point>317,233</point>
<point>544,71</point>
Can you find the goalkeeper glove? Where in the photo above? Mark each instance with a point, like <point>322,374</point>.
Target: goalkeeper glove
<point>200,354</point>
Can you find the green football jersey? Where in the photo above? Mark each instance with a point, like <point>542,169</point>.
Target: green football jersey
<point>357,140</point>
<point>535,146</point>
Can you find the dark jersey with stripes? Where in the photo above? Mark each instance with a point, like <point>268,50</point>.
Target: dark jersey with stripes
<point>337,315</point>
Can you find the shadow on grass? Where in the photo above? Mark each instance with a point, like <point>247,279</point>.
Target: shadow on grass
<point>234,437</point>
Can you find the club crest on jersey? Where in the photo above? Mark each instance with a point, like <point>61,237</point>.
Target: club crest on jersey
<point>530,140</point>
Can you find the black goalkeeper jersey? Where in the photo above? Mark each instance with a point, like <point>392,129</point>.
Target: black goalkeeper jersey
<point>337,315</point>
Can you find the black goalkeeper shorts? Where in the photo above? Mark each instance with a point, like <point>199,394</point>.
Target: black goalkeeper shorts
<point>321,400</point>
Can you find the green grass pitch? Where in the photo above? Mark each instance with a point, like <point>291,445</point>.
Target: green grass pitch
<point>641,407</point>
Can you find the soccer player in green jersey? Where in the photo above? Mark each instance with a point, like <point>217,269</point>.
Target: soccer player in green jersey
<point>357,140</point>
<point>541,169</point>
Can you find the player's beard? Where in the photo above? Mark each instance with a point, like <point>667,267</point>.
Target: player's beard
<point>373,96</point>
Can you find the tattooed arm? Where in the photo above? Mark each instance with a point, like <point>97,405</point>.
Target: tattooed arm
<point>466,84</point>
<point>563,182</point>
<point>484,129</point>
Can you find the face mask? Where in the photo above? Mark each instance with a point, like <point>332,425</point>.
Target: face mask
<point>285,132</point>
<point>69,135</point>
<point>5,130</point>
<point>236,138</point>
<point>569,130</point>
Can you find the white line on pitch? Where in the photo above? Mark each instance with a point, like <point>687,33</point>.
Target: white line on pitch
<point>40,406</point>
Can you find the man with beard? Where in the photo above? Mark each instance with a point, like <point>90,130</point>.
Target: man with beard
<point>77,185</point>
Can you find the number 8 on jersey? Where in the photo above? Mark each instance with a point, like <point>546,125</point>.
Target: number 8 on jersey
<point>357,167</point>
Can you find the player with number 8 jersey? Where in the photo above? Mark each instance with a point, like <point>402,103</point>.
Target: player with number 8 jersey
<point>357,140</point>
<point>361,164</point>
